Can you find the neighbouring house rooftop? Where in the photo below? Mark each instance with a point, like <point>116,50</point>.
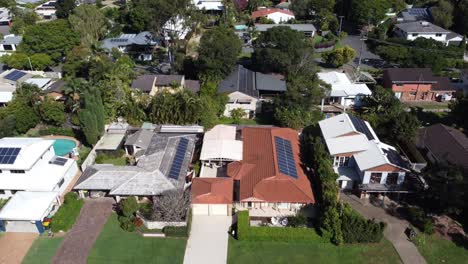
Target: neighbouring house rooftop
<point>298,27</point>
<point>11,39</point>
<point>421,27</point>
<point>56,87</point>
<point>418,75</point>
<point>270,169</point>
<point>141,138</point>
<point>41,83</point>
<point>192,85</point>
<point>212,191</point>
<point>267,11</point>
<point>162,167</point>
<point>110,141</point>
<point>28,151</point>
<point>28,206</point>
<point>446,143</point>
<point>144,38</point>
<point>220,144</point>
<point>415,14</point>
<point>341,85</point>
<point>147,82</point>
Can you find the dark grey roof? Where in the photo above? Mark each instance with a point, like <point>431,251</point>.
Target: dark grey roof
<point>398,75</point>
<point>298,27</point>
<point>421,27</point>
<point>453,35</point>
<point>144,83</point>
<point>56,87</point>
<point>168,80</point>
<point>415,14</point>
<point>144,38</point>
<point>396,159</point>
<point>192,85</point>
<point>249,82</point>
<point>141,138</point>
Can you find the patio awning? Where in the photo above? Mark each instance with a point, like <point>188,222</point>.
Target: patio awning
<point>28,206</point>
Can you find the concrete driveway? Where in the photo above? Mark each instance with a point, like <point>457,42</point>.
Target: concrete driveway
<point>208,241</point>
<point>394,232</point>
<point>14,246</point>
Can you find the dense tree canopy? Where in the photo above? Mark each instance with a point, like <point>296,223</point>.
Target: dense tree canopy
<point>459,112</point>
<point>22,18</point>
<point>443,14</point>
<point>64,8</point>
<point>372,11</point>
<point>89,22</point>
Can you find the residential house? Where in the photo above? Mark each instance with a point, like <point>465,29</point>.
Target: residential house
<point>136,143</point>
<point>212,196</point>
<point>360,159</point>
<point>269,180</point>
<point>308,29</point>
<point>424,29</point>
<point>276,15</point>
<point>221,146</point>
<point>113,137</point>
<point>10,42</point>
<point>247,89</point>
<point>215,6</point>
<point>164,166</point>
<point>414,15</point>
<point>417,84</point>
<point>139,45</point>
<point>5,16</point>
<point>46,11</point>
<point>343,92</point>
<point>34,177</point>
<point>444,144</point>
<point>154,83</point>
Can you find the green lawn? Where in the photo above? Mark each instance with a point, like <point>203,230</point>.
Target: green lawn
<point>260,252</point>
<point>117,161</point>
<point>438,250</point>
<point>43,250</point>
<point>115,245</point>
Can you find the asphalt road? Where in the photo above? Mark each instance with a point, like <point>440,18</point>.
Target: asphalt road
<point>368,59</point>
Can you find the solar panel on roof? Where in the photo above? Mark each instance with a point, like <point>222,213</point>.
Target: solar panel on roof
<point>361,126</point>
<point>179,157</point>
<point>8,155</point>
<point>285,157</point>
<point>395,158</point>
<point>58,161</point>
<point>15,75</point>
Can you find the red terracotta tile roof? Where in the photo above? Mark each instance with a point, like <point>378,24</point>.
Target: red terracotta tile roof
<point>258,172</point>
<point>267,11</point>
<point>212,191</point>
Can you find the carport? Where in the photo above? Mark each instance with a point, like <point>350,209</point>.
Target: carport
<point>212,196</point>
<point>25,210</point>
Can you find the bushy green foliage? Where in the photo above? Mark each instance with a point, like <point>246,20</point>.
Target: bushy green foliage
<point>356,229</point>
<point>91,115</point>
<point>129,206</point>
<point>176,231</point>
<point>263,233</point>
<point>339,56</point>
<point>419,219</point>
<point>299,220</point>
<point>127,223</point>
<point>67,214</point>
<point>52,112</point>
<point>63,131</point>
<point>146,209</point>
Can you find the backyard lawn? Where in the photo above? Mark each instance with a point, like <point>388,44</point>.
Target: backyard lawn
<point>259,252</point>
<point>438,250</point>
<point>115,245</point>
<point>108,159</point>
<point>43,250</point>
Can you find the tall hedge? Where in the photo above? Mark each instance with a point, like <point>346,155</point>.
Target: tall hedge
<point>357,229</point>
<point>264,233</point>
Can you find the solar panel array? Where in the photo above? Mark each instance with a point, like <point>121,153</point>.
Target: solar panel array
<point>418,11</point>
<point>14,75</point>
<point>179,157</point>
<point>119,40</point>
<point>395,158</point>
<point>8,155</point>
<point>285,157</point>
<point>58,161</point>
<point>361,126</point>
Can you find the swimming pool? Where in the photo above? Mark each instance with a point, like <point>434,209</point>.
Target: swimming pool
<point>63,146</point>
<point>240,27</point>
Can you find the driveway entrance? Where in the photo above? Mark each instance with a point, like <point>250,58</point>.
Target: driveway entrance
<point>80,239</point>
<point>208,241</point>
<point>14,246</point>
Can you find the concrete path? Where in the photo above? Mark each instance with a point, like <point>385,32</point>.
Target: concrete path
<point>14,246</point>
<point>394,232</point>
<point>208,241</point>
<point>80,239</point>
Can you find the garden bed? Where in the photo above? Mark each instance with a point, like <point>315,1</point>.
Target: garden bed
<point>66,216</point>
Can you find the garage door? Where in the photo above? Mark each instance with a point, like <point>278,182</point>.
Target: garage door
<point>218,209</point>
<point>200,209</point>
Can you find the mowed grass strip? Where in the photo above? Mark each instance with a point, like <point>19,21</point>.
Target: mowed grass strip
<point>436,249</point>
<point>262,252</point>
<point>42,250</point>
<point>115,245</point>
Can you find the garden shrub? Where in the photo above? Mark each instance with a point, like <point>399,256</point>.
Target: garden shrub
<point>419,219</point>
<point>129,206</point>
<point>264,233</point>
<point>357,229</point>
<point>63,131</point>
<point>67,214</point>
<point>146,210</point>
<point>176,231</point>
<point>298,220</point>
<point>127,223</point>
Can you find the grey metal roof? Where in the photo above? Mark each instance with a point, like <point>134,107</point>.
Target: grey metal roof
<point>298,27</point>
<point>266,82</point>
<point>56,87</point>
<point>143,82</point>
<point>421,27</point>
<point>144,38</point>
<point>415,14</point>
<point>141,138</point>
<point>11,40</point>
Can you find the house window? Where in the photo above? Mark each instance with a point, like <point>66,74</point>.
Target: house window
<point>13,192</point>
<point>17,171</point>
<point>2,191</point>
<point>415,34</point>
<point>61,182</point>
<point>438,35</point>
<point>341,161</point>
<point>1,171</point>
<point>249,204</point>
<point>375,177</point>
<point>392,178</point>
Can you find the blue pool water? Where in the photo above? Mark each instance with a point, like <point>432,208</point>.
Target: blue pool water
<point>63,146</point>
<point>240,27</point>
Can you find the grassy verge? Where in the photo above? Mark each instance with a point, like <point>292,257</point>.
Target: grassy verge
<point>259,252</point>
<point>66,216</point>
<point>115,245</point>
<point>43,250</point>
<point>435,249</point>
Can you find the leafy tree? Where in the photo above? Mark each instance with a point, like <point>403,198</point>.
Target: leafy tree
<point>16,60</point>
<point>40,61</point>
<point>89,22</point>
<point>22,18</point>
<point>7,126</point>
<point>405,126</point>
<point>64,8</point>
<point>218,52</point>
<point>305,9</point>
<point>91,114</point>
<point>368,11</point>
<point>179,108</point>
<point>209,116</point>
<point>237,114</point>
<point>279,48</point>
<point>443,14</point>
<point>129,206</point>
<point>54,38</point>
<point>459,108</point>
<point>339,56</point>
<point>52,112</point>
<point>461,17</point>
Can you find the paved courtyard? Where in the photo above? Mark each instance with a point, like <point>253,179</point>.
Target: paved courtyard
<point>394,232</point>
<point>208,241</point>
<point>14,246</point>
<point>80,239</point>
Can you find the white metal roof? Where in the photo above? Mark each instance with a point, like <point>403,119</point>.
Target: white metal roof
<point>221,132</point>
<point>342,86</point>
<point>31,150</point>
<point>28,206</point>
<point>220,143</point>
<point>110,141</point>
<point>346,144</point>
<point>39,82</point>
<point>336,126</point>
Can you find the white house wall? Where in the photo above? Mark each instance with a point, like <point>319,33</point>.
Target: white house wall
<point>383,180</point>
<point>279,17</point>
<point>254,104</point>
